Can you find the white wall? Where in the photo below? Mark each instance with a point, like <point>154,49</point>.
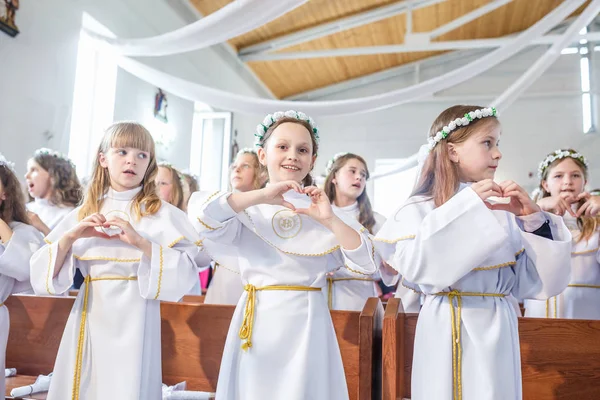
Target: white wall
<point>532,127</point>
<point>38,70</point>
<point>38,73</point>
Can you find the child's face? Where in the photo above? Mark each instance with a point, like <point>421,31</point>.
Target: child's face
<point>478,157</point>
<point>351,179</point>
<point>126,167</point>
<point>164,184</point>
<point>565,177</point>
<point>288,153</point>
<point>39,183</point>
<point>242,173</point>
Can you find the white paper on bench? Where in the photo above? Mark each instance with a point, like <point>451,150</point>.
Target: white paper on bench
<point>41,384</point>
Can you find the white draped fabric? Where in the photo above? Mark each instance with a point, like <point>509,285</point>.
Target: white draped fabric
<point>245,104</point>
<point>234,19</point>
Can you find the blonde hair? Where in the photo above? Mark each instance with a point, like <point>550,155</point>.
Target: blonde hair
<point>258,182</point>
<point>439,177</point>
<point>308,180</point>
<point>587,225</point>
<point>177,192</point>
<point>123,134</point>
<point>365,216</point>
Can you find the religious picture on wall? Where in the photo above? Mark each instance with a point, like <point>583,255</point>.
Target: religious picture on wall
<point>7,17</point>
<point>160,106</point>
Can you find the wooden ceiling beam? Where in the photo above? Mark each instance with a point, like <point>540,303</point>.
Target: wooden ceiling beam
<point>364,18</point>
<point>410,48</point>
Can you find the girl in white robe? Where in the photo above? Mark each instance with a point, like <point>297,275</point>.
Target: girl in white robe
<point>563,176</point>
<point>226,285</point>
<point>467,255</point>
<point>19,241</point>
<point>281,343</point>
<point>133,250</point>
<point>345,186</point>
<point>53,184</point>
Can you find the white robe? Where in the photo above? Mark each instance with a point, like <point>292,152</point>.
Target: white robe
<point>463,246</point>
<point>294,353</point>
<point>581,299</point>
<point>49,213</point>
<point>14,276</point>
<point>347,290</point>
<point>121,349</point>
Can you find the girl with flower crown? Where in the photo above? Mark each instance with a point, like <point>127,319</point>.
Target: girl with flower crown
<point>281,343</point>
<point>134,250</point>
<point>226,285</point>
<point>18,242</point>
<point>53,184</point>
<point>467,253</point>
<point>345,186</point>
<point>563,175</point>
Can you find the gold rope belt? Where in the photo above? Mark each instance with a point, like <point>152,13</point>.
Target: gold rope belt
<point>576,285</point>
<point>248,321</point>
<point>79,356</point>
<point>456,328</point>
<point>331,281</point>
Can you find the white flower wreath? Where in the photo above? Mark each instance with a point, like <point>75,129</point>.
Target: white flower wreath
<point>9,164</point>
<point>332,161</point>
<point>271,119</point>
<point>458,122</point>
<point>557,155</point>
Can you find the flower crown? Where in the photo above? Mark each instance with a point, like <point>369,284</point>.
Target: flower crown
<point>330,163</point>
<point>245,150</point>
<point>557,155</point>
<point>271,119</point>
<point>8,164</point>
<point>458,122</point>
<point>49,152</point>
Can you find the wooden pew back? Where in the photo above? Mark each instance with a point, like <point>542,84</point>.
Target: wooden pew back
<point>560,359</point>
<point>36,328</point>
<point>192,349</point>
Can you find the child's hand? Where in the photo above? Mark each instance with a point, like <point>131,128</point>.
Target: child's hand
<point>87,228</point>
<point>37,223</point>
<point>558,205</point>
<point>486,189</point>
<point>591,207</point>
<point>320,207</point>
<point>273,194</point>
<point>520,202</point>
<point>128,234</point>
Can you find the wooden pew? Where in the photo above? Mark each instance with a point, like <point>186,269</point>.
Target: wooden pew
<point>192,349</point>
<point>560,359</point>
<point>193,298</point>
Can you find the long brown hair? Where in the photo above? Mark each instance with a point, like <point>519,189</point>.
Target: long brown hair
<point>587,225</point>
<point>13,207</point>
<point>123,134</point>
<point>365,216</point>
<point>64,184</point>
<point>177,192</point>
<point>192,182</point>
<point>439,177</point>
<point>308,180</point>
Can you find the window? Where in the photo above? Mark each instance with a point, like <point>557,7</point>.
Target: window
<point>210,148</point>
<point>587,101</point>
<point>393,190</point>
<point>93,97</point>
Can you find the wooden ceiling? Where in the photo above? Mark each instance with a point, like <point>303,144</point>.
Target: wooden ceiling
<point>309,74</point>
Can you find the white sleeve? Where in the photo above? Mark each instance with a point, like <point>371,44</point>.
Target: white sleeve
<point>448,242</point>
<point>543,266</point>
